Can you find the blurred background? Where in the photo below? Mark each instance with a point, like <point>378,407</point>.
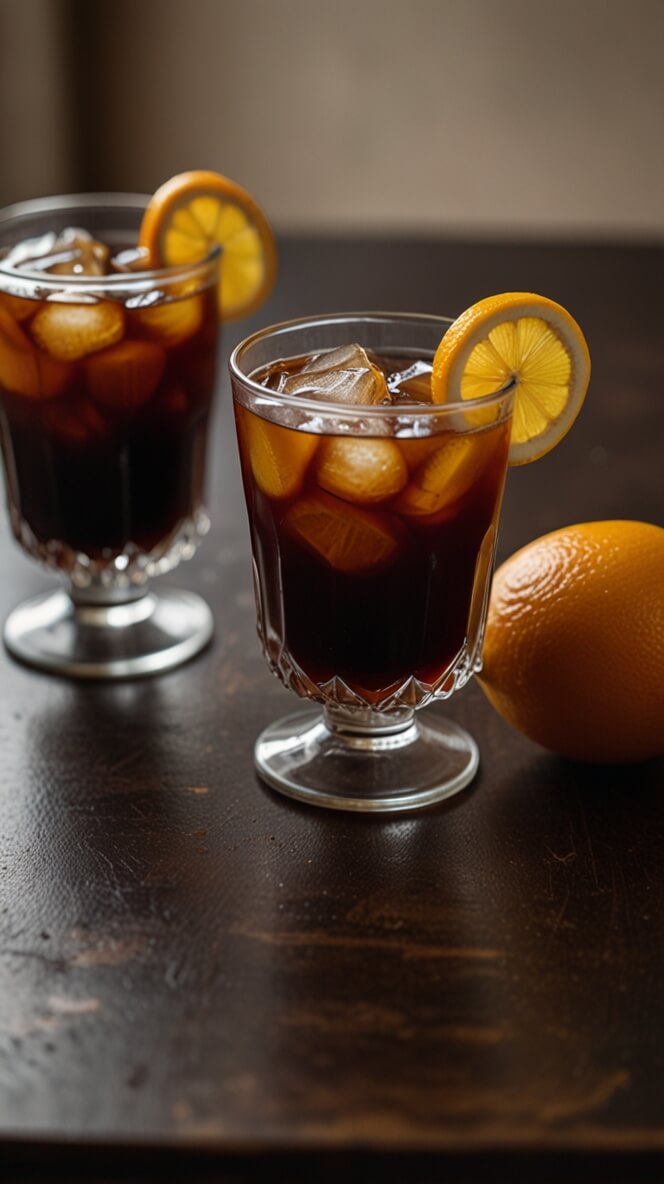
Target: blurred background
<point>501,117</point>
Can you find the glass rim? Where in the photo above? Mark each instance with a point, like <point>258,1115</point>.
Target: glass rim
<point>136,281</point>
<point>321,406</point>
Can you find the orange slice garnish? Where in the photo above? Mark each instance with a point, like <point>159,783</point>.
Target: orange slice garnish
<point>193,212</point>
<point>528,341</point>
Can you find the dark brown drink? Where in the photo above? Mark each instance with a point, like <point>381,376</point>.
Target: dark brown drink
<point>371,551</point>
<point>104,408</point>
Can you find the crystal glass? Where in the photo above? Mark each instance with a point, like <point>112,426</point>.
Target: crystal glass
<point>373,534</point>
<point>106,388</point>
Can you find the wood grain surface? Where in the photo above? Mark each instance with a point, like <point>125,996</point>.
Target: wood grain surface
<point>193,966</point>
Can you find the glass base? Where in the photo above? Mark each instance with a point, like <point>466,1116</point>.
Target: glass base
<point>106,639</point>
<point>366,761</point>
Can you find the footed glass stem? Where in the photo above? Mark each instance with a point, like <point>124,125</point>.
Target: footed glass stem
<point>108,633</point>
<point>366,760</point>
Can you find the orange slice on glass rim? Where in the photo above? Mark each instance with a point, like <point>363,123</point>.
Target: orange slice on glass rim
<point>191,213</point>
<point>527,340</point>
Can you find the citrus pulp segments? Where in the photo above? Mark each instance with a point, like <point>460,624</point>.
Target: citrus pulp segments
<point>448,471</point>
<point>347,539</point>
<point>279,456</point>
<point>441,479</point>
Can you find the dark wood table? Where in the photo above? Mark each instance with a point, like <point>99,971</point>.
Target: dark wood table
<point>198,975</point>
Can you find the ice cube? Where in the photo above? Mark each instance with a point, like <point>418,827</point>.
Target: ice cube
<point>416,449</point>
<point>81,254</point>
<point>351,356</point>
<point>361,469</point>
<point>344,375</point>
<point>412,385</point>
<point>25,370</point>
<point>73,235</point>
<point>28,253</point>
<point>72,252</point>
<point>132,259</point>
<point>125,375</point>
<point>171,321</point>
<point>70,331</point>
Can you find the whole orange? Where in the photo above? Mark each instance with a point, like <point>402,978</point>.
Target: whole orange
<point>574,645</point>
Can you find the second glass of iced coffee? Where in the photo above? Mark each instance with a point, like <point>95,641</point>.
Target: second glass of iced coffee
<point>109,313</point>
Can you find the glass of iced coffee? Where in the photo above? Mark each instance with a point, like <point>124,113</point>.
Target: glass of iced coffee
<point>373,515</point>
<point>107,376</point>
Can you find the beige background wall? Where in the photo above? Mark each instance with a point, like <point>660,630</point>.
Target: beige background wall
<point>517,116</point>
<point>35,144</point>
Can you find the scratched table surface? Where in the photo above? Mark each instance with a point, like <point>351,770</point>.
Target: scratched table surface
<point>197,975</point>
